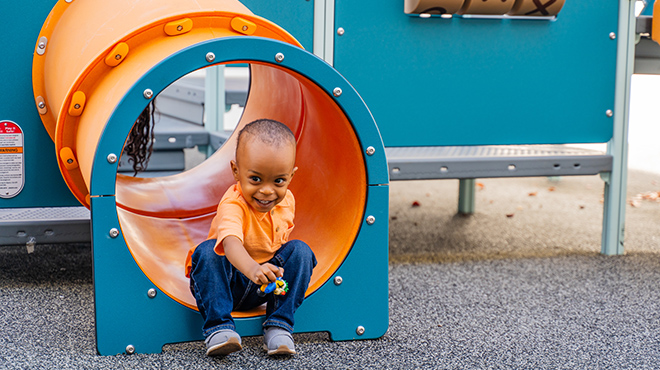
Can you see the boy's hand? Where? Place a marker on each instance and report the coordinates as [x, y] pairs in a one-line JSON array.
[[266, 273]]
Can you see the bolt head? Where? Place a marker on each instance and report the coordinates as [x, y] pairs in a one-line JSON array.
[[148, 94], [112, 158], [340, 31], [371, 150], [359, 330], [151, 293], [609, 113], [42, 105], [371, 220], [279, 57], [612, 35], [130, 349], [210, 57], [338, 280], [113, 233], [337, 92]]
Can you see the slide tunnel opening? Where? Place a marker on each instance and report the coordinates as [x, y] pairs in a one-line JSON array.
[[161, 218]]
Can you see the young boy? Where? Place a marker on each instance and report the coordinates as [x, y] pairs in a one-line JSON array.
[[247, 245]]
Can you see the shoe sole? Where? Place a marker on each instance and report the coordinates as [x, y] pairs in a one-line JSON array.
[[223, 349], [281, 350]]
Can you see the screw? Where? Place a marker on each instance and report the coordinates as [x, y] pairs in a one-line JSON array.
[[77, 106], [113, 233], [42, 105], [337, 91], [112, 158], [69, 161], [245, 28], [148, 94], [360, 330], [151, 293], [179, 27], [612, 35], [371, 220], [609, 113], [118, 56], [340, 31], [42, 45], [210, 57], [130, 349], [279, 57], [371, 150], [338, 280]]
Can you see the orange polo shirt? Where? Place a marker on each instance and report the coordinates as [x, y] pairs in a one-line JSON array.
[[262, 234]]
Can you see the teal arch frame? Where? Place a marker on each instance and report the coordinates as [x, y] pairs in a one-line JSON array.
[[128, 320]]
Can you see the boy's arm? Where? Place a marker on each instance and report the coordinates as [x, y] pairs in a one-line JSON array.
[[239, 257]]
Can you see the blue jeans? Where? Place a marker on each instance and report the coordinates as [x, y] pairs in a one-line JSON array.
[[220, 288]]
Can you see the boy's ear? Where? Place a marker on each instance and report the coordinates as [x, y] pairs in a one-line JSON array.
[[234, 169], [293, 172]]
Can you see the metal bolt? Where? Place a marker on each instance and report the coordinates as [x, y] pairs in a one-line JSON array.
[[371, 220], [69, 161], [77, 106], [151, 293], [609, 113], [41, 45], [179, 27], [279, 57], [112, 158], [360, 330], [130, 349], [68, 1], [340, 31], [337, 91], [338, 280], [114, 233], [371, 150], [42, 105], [244, 28], [612, 35], [210, 57], [148, 94], [118, 56]]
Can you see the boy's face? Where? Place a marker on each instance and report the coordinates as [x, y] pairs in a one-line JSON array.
[[264, 172]]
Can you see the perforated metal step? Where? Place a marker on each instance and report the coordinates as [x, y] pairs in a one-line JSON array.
[[19, 226], [471, 162]]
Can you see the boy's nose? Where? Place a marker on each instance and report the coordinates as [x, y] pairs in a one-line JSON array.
[[267, 190]]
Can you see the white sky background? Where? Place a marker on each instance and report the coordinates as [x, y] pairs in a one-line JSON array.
[[644, 126]]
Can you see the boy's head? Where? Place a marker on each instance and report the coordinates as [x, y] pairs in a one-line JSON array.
[[265, 162]]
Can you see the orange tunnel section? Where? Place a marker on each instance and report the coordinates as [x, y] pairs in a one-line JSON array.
[[90, 54]]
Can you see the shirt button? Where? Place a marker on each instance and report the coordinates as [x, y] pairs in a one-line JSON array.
[[277, 230], [272, 212]]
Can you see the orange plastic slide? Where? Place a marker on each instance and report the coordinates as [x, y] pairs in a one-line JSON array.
[[90, 53]]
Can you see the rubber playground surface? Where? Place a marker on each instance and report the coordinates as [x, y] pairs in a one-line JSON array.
[[519, 284]]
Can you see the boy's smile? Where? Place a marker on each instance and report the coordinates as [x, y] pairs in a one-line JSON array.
[[264, 172]]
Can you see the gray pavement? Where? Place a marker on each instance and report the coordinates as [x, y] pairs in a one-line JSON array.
[[520, 284]]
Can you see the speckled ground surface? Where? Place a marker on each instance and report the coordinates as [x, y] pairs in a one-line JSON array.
[[519, 284]]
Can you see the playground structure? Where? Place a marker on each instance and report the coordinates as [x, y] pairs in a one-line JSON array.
[[460, 81]]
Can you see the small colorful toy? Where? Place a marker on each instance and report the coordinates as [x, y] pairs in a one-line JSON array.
[[277, 287]]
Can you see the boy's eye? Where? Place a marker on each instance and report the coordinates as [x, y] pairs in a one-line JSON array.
[[280, 181], [254, 178]]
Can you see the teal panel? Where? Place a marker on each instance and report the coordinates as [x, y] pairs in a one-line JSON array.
[[474, 81], [44, 186], [648, 9], [297, 17], [125, 314]]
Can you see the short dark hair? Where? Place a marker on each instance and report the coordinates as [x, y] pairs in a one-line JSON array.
[[268, 131]]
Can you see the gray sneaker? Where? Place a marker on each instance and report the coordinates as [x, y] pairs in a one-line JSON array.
[[278, 341], [223, 342]]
